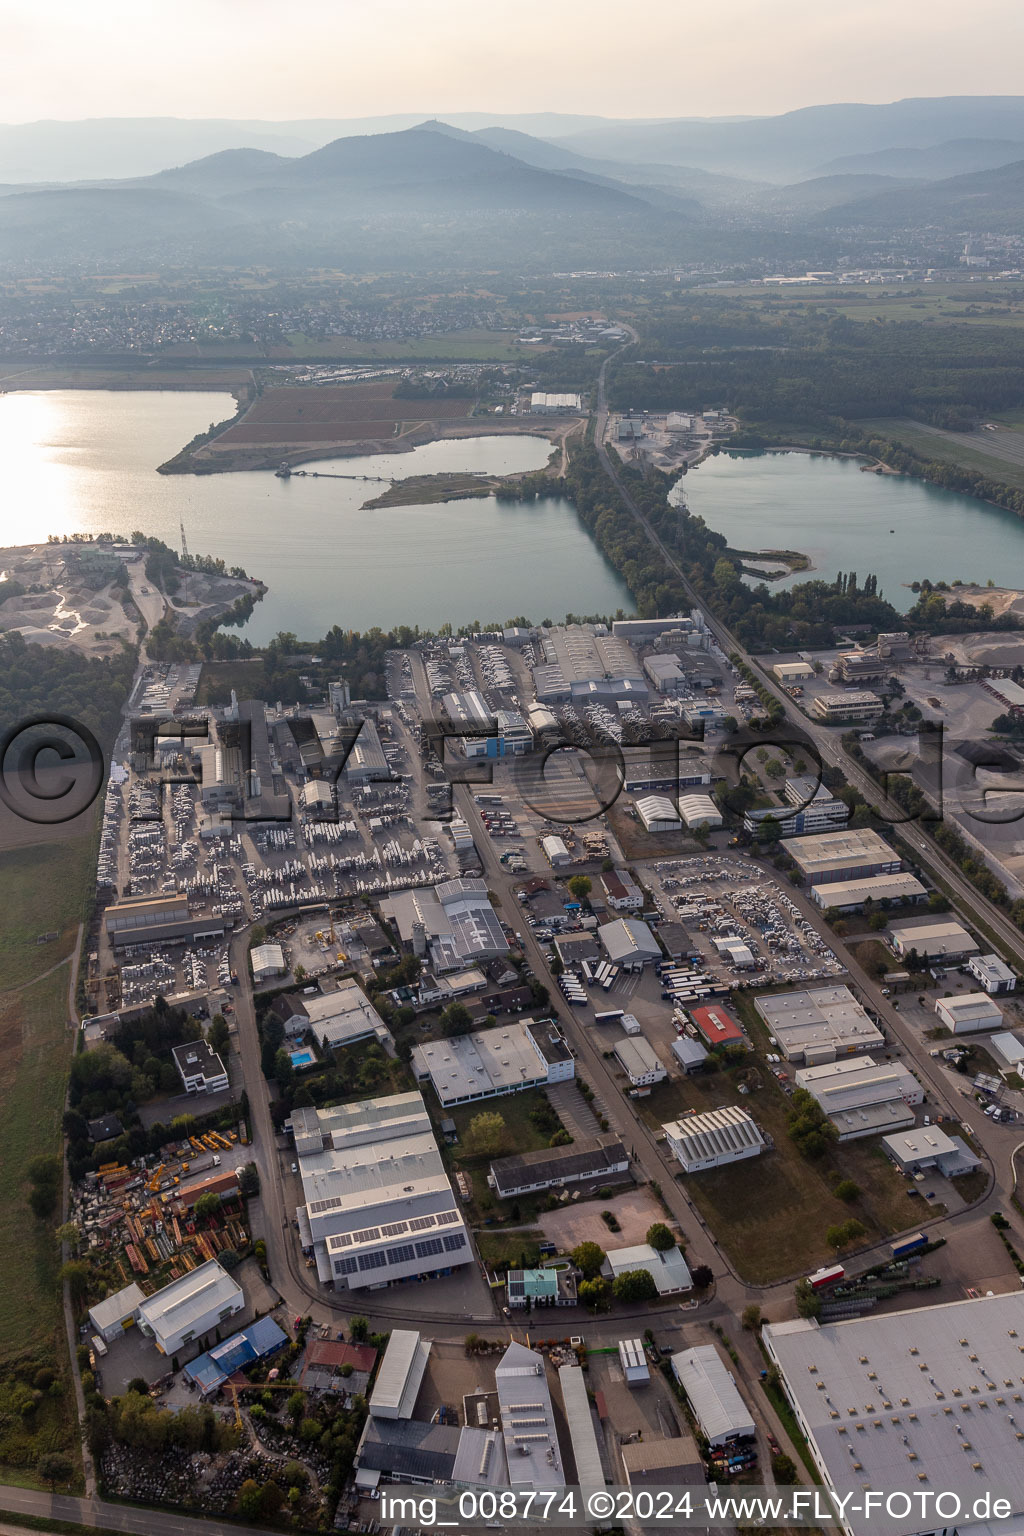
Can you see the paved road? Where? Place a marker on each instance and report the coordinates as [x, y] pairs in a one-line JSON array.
[[114, 1517]]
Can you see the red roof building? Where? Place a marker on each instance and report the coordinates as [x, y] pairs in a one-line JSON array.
[[716, 1026]]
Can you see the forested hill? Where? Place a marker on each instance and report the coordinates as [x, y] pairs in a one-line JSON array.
[[42, 680]]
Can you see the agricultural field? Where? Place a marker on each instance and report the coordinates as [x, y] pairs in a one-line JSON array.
[[960, 304], [998, 454], [310, 417], [43, 890], [454, 347]]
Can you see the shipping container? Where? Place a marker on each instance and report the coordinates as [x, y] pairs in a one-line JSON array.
[[908, 1245], [830, 1275]]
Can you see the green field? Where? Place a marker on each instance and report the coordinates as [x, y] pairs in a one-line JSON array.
[[946, 450], [510, 1247], [42, 888], [950, 304]]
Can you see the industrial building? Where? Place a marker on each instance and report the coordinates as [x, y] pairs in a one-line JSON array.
[[546, 404], [266, 961], [664, 672], [862, 1097], [818, 1025], [601, 1159], [639, 1060], [950, 1373], [699, 811], [969, 1013], [584, 663], [528, 1420], [715, 1139], [667, 1267], [992, 974], [401, 1373], [712, 1394], [1008, 1050], [650, 629], [555, 851], [792, 671], [411, 1451], [158, 920], [378, 1206], [260, 1340], [851, 895], [928, 1146], [847, 708], [629, 942], [621, 891], [454, 924], [847, 855], [814, 809], [1005, 692], [506, 1059], [655, 1464], [579, 1420], [633, 1363], [110, 1317], [658, 814], [662, 768], [690, 1054], [944, 941], [717, 1027], [189, 1307], [336, 1018], [199, 1067], [367, 761]]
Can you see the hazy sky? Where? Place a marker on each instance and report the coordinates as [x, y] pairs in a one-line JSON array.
[[340, 58]]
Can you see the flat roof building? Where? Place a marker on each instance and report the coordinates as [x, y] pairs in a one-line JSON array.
[[851, 895], [340, 1017], [1008, 1049], [158, 919], [528, 1420], [189, 1307], [713, 1396], [579, 1419], [969, 1013], [847, 708], [714, 1139], [862, 1097], [833, 1374], [656, 1464], [842, 855], [110, 1317], [993, 974], [934, 941], [928, 1146], [199, 1067], [665, 673], [818, 1025], [401, 1373], [454, 922], [506, 1059]]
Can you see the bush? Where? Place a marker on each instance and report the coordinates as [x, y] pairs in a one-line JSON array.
[[660, 1237]]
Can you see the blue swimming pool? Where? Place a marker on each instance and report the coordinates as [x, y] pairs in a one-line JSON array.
[[303, 1058]]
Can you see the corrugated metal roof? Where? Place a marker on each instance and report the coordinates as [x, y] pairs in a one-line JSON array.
[[719, 1409], [580, 1420]]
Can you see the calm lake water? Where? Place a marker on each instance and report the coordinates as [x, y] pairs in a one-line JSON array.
[[846, 519], [85, 461]]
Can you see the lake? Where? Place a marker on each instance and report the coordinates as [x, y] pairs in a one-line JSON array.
[[85, 461], [848, 520]]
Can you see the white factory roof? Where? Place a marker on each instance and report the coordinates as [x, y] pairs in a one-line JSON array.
[[191, 1299], [490, 1061], [695, 808], [350, 1125], [669, 1269], [657, 808], [1008, 1047], [637, 1057], [717, 1405], [456, 916], [267, 957], [922, 1142], [855, 1082], [627, 940], [899, 886], [834, 850], [717, 1133], [990, 968], [528, 1420], [818, 1017], [343, 1015], [939, 1384], [933, 940], [971, 1010], [113, 1310], [401, 1372], [579, 1418]]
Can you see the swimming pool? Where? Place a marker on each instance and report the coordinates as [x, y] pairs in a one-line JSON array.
[[304, 1058]]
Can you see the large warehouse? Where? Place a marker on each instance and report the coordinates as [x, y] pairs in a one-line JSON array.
[[378, 1205], [699, 810], [629, 942], [454, 922], [842, 855], [711, 1140], [658, 814], [189, 1307], [954, 1423], [336, 1018], [524, 1173], [851, 895], [861, 1096], [640, 1062], [820, 1024], [945, 942], [505, 1059], [712, 1394], [969, 1013]]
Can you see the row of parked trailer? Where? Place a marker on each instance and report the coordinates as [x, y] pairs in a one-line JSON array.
[[683, 984], [602, 974]]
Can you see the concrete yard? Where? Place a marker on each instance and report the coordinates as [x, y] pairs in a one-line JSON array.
[[635, 1211]]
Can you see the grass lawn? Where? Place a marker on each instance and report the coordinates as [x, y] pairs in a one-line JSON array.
[[510, 1248], [42, 888], [946, 450], [515, 1109], [219, 677], [455, 346], [873, 953], [35, 1049]]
